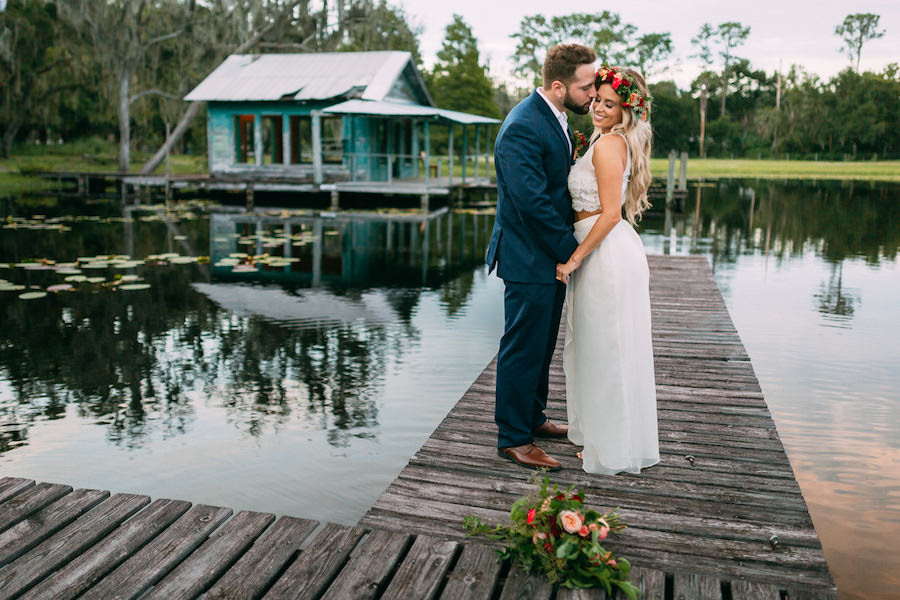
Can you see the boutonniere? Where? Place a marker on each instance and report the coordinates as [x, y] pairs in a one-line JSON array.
[[579, 142]]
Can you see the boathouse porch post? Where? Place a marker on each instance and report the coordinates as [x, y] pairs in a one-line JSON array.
[[257, 139], [450, 151], [427, 132], [390, 127], [464, 149], [427, 137], [415, 145], [316, 124], [285, 139], [477, 150]]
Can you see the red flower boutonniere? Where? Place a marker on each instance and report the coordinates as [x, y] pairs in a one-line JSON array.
[[580, 142]]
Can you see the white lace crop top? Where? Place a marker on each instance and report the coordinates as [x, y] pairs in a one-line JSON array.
[[583, 181]]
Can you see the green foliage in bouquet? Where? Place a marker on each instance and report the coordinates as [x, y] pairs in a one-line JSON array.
[[552, 533]]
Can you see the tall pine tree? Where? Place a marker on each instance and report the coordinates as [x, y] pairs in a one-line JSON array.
[[459, 81]]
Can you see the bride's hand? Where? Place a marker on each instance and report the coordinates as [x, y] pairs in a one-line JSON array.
[[564, 270]]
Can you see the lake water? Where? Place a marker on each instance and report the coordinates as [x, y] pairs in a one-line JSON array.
[[301, 383]]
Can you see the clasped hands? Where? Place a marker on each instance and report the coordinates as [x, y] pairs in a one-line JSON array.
[[563, 270]]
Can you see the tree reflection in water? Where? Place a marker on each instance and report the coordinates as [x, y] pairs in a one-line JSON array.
[[835, 221], [309, 342]]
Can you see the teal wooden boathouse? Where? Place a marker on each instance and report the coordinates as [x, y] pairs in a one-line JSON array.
[[344, 117]]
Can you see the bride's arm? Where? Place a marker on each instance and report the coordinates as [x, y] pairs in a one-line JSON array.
[[609, 160]]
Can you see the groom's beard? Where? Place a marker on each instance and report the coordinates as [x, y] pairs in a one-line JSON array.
[[578, 109]]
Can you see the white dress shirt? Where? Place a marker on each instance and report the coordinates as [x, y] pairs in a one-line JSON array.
[[561, 117]]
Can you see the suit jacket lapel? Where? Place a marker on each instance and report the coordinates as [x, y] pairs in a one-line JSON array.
[[548, 114]]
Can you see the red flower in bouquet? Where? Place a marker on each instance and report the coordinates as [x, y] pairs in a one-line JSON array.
[[553, 533]]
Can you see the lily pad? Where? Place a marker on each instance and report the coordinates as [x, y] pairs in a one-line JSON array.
[[134, 286], [11, 287], [76, 278], [59, 287], [32, 295], [68, 271], [96, 279], [127, 278]]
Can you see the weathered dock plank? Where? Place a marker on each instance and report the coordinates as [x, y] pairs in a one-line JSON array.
[[152, 562], [88, 567], [37, 527], [258, 569], [318, 565], [206, 564], [54, 553], [698, 514]]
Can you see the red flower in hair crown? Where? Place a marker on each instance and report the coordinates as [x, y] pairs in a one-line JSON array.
[[627, 89]]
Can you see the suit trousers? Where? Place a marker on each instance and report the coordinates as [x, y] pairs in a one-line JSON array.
[[531, 315]]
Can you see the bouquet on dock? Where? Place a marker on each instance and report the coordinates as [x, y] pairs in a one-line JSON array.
[[552, 533]]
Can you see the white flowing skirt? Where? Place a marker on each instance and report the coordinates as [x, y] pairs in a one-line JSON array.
[[608, 356]]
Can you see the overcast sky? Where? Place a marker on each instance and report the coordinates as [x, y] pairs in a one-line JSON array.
[[791, 31]]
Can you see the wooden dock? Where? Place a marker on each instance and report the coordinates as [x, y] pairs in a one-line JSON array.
[[721, 517], [58, 543], [721, 511]]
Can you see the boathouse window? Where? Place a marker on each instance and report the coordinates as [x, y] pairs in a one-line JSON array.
[[332, 139], [272, 134], [301, 139], [243, 139]]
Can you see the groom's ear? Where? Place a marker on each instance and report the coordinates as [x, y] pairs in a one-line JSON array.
[[558, 88]]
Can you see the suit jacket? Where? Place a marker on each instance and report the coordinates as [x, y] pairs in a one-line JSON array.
[[533, 228]]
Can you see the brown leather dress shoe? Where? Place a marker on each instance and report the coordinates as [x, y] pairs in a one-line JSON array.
[[548, 429], [530, 456]]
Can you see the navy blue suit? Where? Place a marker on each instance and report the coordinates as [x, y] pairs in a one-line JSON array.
[[532, 233]]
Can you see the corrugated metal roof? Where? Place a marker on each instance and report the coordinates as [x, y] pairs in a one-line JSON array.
[[397, 109], [318, 76]]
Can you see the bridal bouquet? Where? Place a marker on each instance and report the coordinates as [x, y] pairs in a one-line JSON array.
[[552, 533]]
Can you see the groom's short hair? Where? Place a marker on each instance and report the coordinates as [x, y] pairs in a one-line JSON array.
[[563, 59]]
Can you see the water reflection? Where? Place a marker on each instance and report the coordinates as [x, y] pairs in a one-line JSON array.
[[783, 222], [306, 342]]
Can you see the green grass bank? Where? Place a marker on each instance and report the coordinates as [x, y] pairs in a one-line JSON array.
[[717, 168]]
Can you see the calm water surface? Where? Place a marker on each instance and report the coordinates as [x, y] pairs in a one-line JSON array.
[[302, 386]]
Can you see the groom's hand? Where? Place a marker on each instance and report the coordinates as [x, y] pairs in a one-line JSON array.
[[564, 270]]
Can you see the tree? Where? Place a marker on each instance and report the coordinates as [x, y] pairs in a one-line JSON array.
[[218, 31], [122, 34], [605, 32], [650, 50], [459, 81], [35, 65], [856, 30], [731, 35], [701, 86], [370, 26], [726, 37]]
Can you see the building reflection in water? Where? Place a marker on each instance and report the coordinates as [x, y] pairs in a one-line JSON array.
[[306, 340]]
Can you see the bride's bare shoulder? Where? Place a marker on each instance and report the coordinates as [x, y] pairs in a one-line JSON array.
[[610, 148]]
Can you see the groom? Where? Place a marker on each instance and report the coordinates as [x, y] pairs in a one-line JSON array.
[[532, 233]]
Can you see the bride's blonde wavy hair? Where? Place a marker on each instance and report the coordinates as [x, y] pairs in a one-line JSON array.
[[639, 136]]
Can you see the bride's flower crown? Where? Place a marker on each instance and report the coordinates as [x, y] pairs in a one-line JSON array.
[[627, 88]]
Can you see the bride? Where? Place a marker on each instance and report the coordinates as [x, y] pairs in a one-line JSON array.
[[608, 356]]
